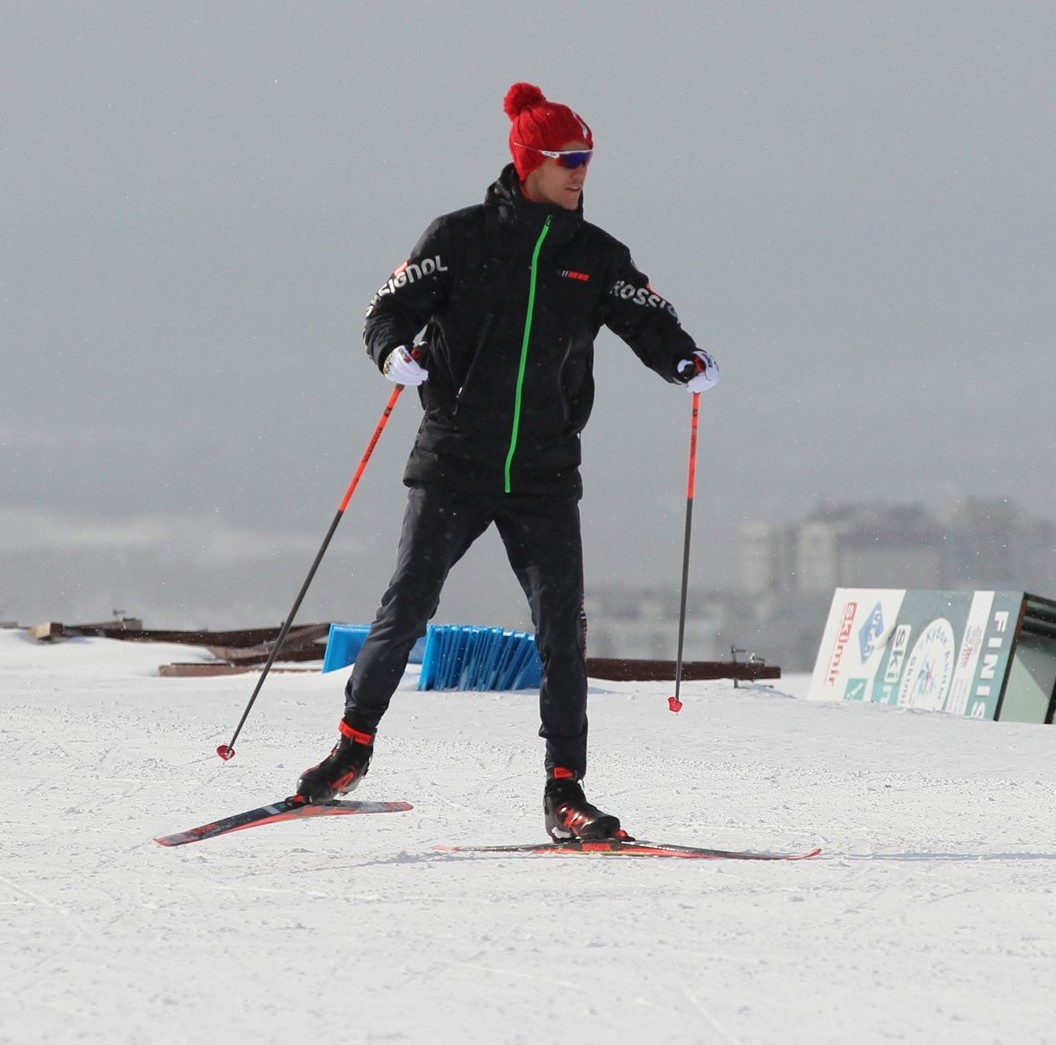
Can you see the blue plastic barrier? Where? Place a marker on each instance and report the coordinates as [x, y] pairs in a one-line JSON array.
[[478, 658], [453, 656], [345, 640]]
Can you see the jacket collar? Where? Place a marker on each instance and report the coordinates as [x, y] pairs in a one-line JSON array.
[[505, 193]]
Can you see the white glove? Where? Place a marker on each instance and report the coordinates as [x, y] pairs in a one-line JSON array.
[[700, 372], [401, 368]]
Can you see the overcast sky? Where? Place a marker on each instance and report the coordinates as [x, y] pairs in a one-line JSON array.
[[851, 204]]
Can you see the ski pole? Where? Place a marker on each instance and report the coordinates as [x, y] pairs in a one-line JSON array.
[[227, 751], [673, 702]]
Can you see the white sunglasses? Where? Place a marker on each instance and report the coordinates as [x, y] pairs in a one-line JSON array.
[[570, 158]]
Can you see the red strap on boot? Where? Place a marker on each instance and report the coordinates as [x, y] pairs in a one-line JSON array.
[[366, 739]]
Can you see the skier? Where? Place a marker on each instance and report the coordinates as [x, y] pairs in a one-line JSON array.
[[511, 294]]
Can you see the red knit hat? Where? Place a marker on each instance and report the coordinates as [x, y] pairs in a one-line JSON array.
[[539, 124]]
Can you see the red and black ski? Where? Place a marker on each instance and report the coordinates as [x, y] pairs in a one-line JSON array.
[[292, 808], [623, 847]]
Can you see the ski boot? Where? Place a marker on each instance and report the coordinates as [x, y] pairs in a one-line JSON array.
[[341, 770], [569, 815]]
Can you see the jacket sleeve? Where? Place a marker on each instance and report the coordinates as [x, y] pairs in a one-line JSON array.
[[404, 303], [646, 321]]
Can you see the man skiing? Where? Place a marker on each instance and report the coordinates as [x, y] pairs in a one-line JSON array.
[[511, 294]]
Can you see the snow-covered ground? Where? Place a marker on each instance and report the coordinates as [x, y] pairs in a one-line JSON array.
[[930, 917]]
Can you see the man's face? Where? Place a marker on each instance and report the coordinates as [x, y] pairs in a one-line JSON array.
[[555, 184]]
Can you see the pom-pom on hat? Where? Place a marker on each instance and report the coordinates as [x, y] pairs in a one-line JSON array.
[[539, 124]]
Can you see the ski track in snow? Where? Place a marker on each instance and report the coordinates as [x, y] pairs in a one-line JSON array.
[[929, 916]]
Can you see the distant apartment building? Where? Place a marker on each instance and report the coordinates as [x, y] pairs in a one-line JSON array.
[[983, 543], [791, 569], [642, 623]]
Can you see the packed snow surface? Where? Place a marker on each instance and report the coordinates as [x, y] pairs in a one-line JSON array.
[[929, 917]]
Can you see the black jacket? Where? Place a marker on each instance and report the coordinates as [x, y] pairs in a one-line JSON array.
[[511, 295]]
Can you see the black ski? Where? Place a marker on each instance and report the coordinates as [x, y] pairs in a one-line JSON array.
[[292, 808], [623, 847]]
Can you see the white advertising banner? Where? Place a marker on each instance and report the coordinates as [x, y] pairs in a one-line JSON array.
[[934, 650]]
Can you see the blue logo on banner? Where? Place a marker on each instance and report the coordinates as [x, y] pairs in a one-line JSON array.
[[871, 630]]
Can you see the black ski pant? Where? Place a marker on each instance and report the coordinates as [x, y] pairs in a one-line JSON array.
[[543, 543]]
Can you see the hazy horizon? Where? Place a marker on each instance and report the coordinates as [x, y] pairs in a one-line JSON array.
[[851, 205]]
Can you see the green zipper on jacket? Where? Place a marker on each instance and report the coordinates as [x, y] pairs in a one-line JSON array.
[[524, 353]]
